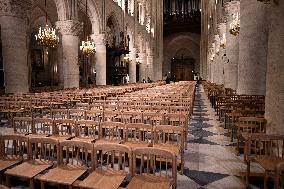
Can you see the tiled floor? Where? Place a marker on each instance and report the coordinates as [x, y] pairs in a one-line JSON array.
[[210, 160]]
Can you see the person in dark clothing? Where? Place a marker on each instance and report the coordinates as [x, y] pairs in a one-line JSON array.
[[168, 80], [90, 80]]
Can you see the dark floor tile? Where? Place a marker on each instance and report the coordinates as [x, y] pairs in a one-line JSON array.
[[203, 178]]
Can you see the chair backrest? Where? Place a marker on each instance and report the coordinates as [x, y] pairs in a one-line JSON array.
[[153, 118], [95, 115], [22, 125], [113, 156], [176, 119], [112, 115], [252, 124], [42, 126], [132, 117], [265, 144], [76, 114], [155, 161], [46, 149], [14, 146], [112, 130], [138, 132], [88, 129], [64, 127], [168, 134], [77, 154], [59, 113]]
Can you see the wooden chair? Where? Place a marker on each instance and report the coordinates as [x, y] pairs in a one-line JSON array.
[[138, 135], [279, 179], [59, 113], [87, 130], [95, 115], [153, 118], [13, 150], [42, 127], [64, 129], [43, 153], [170, 138], [113, 116], [111, 132], [266, 150], [76, 158], [178, 119], [113, 164], [76, 114], [153, 168], [22, 125], [132, 117], [249, 125]]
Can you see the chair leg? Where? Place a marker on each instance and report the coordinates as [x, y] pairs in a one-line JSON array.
[[8, 181], [31, 183], [276, 182], [265, 180], [42, 186], [248, 173]]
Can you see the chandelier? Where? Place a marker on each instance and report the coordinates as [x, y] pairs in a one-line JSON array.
[[47, 36], [212, 57], [223, 41], [235, 25], [87, 47], [126, 57]]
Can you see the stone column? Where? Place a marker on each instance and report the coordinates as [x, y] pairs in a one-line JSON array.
[[217, 60], [274, 109], [232, 48], [100, 58], [252, 48], [14, 47], [143, 66], [70, 30], [132, 66], [60, 65], [222, 36]]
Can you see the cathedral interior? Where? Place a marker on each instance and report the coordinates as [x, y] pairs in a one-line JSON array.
[[142, 94]]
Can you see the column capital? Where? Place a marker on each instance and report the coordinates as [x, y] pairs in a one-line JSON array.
[[99, 39], [13, 8], [142, 55], [69, 27], [133, 51]]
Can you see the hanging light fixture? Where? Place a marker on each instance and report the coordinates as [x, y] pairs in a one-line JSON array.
[[223, 41], [47, 36], [235, 25], [87, 47]]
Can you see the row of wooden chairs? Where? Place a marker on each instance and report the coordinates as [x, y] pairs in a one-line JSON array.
[[85, 165], [167, 137], [267, 150]]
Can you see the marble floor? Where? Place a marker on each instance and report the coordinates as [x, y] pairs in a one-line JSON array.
[[210, 159]]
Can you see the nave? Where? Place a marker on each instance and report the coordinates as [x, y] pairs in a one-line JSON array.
[[210, 159]]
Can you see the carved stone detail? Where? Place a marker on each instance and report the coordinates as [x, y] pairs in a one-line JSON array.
[[13, 8], [99, 39], [69, 27]]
